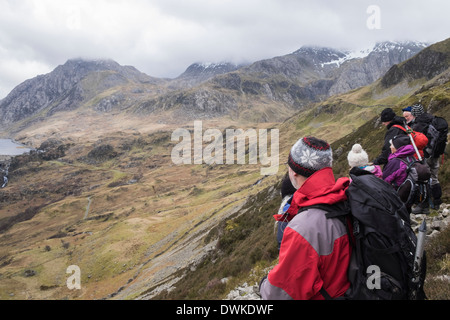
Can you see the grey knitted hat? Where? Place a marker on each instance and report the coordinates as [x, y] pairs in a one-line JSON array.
[[417, 110], [309, 155]]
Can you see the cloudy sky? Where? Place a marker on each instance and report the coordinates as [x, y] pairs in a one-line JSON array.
[[163, 37]]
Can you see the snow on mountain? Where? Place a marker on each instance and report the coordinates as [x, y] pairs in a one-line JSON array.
[[337, 57], [206, 70]]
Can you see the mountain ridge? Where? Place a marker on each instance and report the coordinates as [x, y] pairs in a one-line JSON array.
[[63, 90], [288, 83]]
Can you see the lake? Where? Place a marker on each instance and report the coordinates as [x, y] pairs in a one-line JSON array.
[[10, 148]]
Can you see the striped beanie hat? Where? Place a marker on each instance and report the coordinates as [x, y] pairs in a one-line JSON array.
[[417, 110], [309, 155]]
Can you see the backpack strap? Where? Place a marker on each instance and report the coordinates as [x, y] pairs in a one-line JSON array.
[[325, 294], [341, 211], [333, 210], [409, 163], [399, 127], [406, 130]]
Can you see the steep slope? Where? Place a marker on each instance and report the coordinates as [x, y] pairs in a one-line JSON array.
[[428, 68], [424, 78], [342, 120], [373, 65], [427, 64]]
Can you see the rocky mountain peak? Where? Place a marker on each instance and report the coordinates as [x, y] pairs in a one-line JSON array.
[[63, 88], [199, 72], [320, 55], [389, 46], [206, 70], [325, 56]]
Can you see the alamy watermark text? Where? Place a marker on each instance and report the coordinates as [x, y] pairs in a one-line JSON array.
[[229, 147]]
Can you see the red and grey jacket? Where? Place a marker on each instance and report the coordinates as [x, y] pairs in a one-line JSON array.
[[315, 251]]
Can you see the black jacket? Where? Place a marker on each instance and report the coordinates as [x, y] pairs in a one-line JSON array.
[[390, 134]]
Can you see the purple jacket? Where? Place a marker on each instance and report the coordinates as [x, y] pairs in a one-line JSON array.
[[374, 169], [395, 170]]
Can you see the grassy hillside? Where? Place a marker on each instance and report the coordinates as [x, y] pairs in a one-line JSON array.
[[246, 245], [434, 97], [116, 206]]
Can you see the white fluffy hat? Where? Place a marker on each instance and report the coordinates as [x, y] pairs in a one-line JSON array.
[[357, 157]]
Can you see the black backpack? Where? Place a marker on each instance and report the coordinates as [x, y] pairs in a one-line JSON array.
[[437, 135], [416, 188], [382, 239]]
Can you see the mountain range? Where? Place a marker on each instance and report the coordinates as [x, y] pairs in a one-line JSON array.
[[271, 89]]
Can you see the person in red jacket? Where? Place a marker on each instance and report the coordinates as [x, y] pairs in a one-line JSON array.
[[315, 251]]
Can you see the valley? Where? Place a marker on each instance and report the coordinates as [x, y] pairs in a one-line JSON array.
[[115, 206]]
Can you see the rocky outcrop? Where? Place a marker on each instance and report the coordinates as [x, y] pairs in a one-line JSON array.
[[244, 292], [201, 72], [361, 72], [427, 64], [435, 223], [66, 87], [100, 154], [186, 105]]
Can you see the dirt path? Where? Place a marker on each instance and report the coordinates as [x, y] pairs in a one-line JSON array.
[[87, 208]]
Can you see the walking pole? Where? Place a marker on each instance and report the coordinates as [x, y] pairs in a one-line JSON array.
[[409, 133], [419, 256]]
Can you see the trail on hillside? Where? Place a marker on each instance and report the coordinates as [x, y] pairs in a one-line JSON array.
[[87, 208]]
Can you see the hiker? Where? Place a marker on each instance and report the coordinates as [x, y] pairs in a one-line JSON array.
[[358, 158], [422, 124], [315, 251], [5, 181], [408, 116], [287, 191], [389, 119], [420, 139], [3, 174], [395, 171]]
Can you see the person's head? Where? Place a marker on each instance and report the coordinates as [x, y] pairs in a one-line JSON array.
[[287, 189], [417, 110], [407, 114], [387, 115], [399, 141], [357, 157], [308, 155]]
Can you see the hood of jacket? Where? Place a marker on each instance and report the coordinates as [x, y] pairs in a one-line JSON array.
[[320, 188], [402, 152], [425, 118], [396, 120]]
